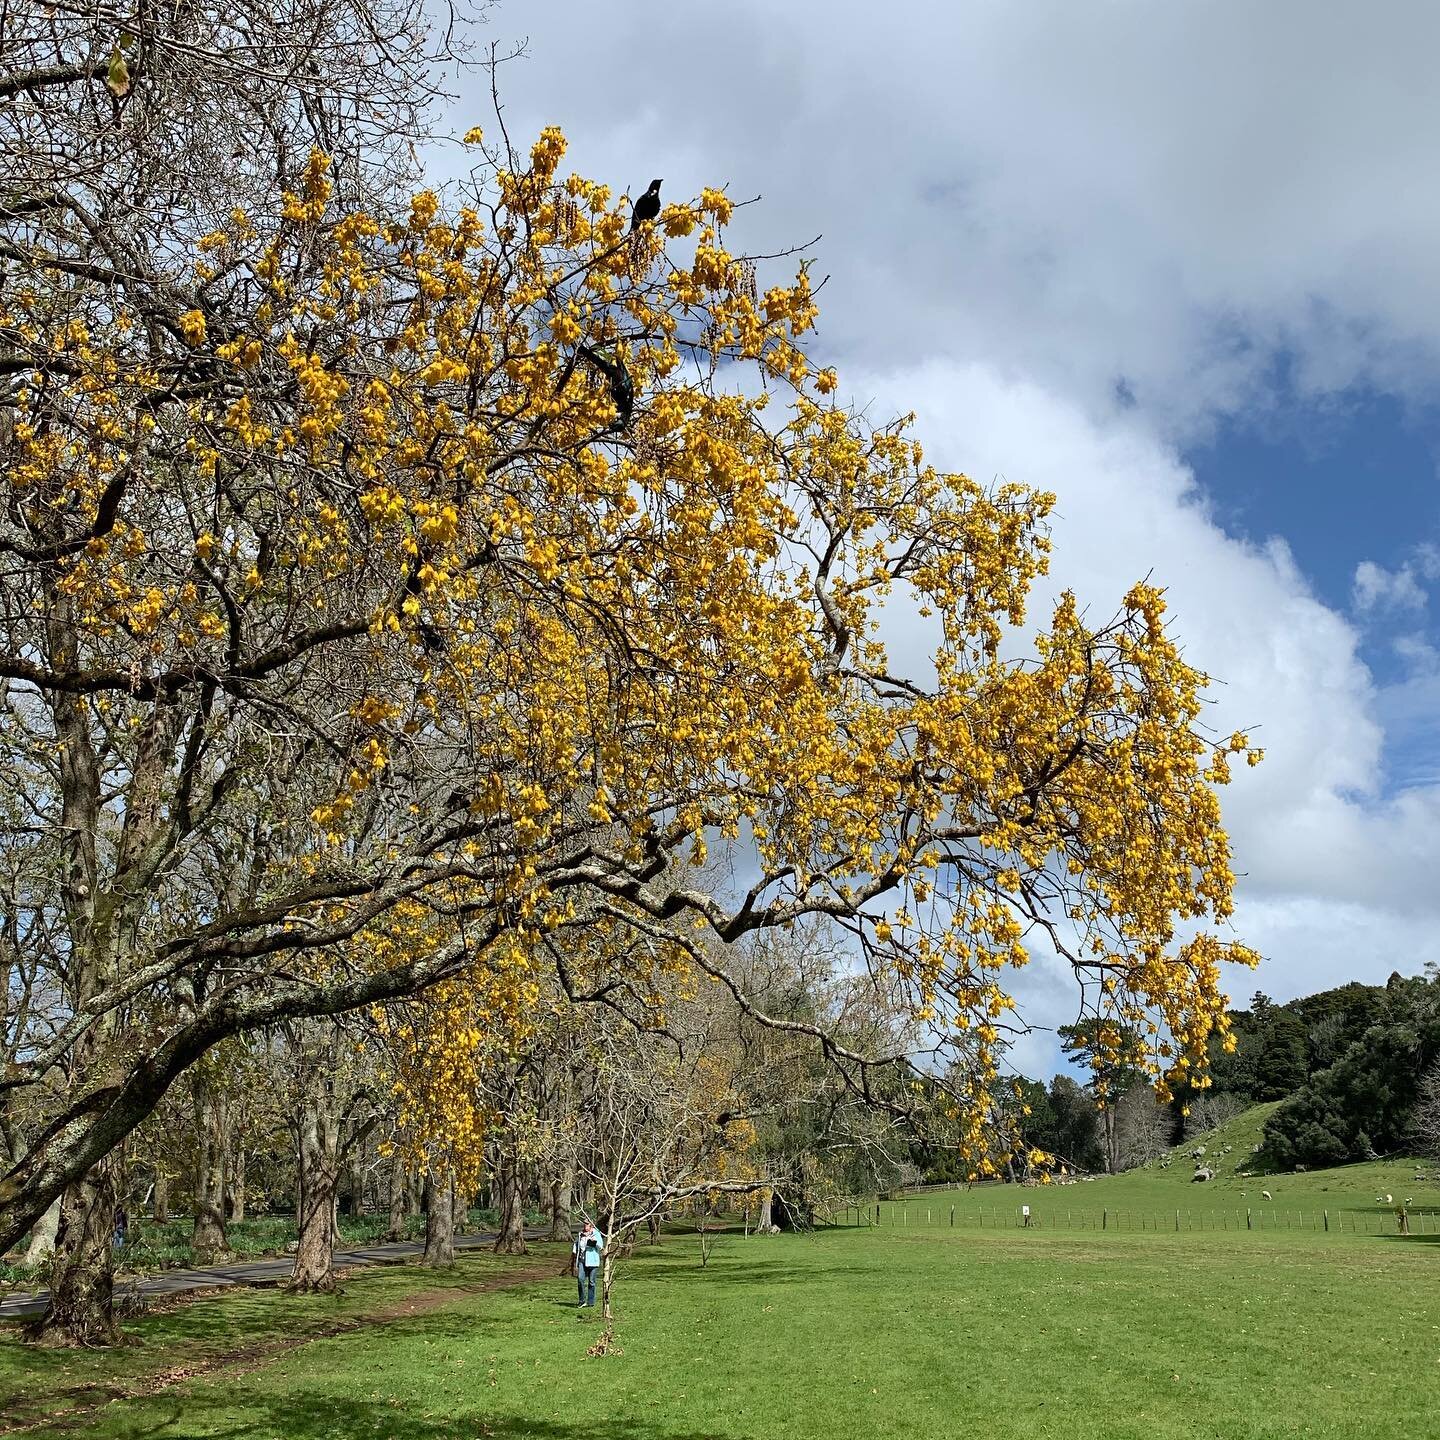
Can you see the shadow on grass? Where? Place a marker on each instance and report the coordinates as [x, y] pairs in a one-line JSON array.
[[297, 1418], [1409, 1239], [239, 1327]]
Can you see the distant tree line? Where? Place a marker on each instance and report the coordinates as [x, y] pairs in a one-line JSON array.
[[1357, 1068], [1368, 1060]]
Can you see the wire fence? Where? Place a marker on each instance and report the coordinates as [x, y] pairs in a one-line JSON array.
[[895, 1215]]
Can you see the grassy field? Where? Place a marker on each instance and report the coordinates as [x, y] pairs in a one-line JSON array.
[[1149, 1196], [853, 1333]]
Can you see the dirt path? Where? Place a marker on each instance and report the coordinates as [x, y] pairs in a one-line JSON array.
[[267, 1270], [86, 1400]]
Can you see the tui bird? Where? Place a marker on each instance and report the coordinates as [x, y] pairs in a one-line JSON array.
[[622, 387], [647, 207], [431, 639]]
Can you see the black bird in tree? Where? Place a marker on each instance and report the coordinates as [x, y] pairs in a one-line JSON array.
[[647, 207], [430, 638], [622, 387]]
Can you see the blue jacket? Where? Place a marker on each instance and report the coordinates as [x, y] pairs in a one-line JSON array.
[[589, 1248]]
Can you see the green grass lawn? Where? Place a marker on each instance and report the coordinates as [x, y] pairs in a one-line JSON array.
[[844, 1333], [1149, 1196]]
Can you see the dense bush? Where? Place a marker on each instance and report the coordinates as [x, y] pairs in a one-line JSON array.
[[1363, 1104]]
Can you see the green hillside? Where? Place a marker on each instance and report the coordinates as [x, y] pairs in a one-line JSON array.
[[1231, 1152], [1229, 1148], [1150, 1195]]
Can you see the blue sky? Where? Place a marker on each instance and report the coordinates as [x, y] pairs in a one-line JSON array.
[[1020, 203], [1346, 480], [1343, 481]]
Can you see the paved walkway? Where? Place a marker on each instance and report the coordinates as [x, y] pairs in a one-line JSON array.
[[251, 1272]]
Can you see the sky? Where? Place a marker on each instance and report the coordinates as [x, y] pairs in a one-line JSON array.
[[1175, 262]]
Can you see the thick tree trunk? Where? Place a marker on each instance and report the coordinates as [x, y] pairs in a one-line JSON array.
[[81, 1311], [353, 1194], [42, 1237], [235, 1182], [460, 1211], [160, 1197], [439, 1222], [399, 1201], [319, 1173], [82, 1264], [511, 1239], [560, 1205], [764, 1223], [208, 1245], [314, 1258]]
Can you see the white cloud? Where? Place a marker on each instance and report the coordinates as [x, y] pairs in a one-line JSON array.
[[1165, 193], [1408, 710], [1313, 828], [1340, 942], [1376, 588], [1420, 657], [1071, 236]]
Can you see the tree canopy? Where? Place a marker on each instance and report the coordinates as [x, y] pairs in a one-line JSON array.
[[401, 595]]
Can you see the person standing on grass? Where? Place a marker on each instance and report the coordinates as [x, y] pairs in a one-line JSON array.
[[589, 1247], [122, 1227]]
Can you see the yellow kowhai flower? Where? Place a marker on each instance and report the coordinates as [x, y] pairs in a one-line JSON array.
[[192, 327]]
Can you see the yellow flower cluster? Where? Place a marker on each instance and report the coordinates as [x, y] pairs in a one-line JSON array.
[[634, 608]]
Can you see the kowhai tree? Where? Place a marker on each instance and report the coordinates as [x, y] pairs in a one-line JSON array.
[[351, 648]]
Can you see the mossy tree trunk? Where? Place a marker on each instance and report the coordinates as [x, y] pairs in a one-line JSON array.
[[42, 1237], [511, 1238], [439, 1222], [399, 1200], [81, 1310], [235, 1181], [208, 1244], [319, 1172]]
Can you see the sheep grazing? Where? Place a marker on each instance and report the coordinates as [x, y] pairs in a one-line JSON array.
[[1267, 1194], [1388, 1200]]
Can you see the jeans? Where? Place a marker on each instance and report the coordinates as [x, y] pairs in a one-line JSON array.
[[585, 1275]]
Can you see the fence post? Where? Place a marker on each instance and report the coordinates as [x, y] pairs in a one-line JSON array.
[[1248, 1225], [1177, 1222], [877, 1212], [1327, 1222], [952, 1217], [1104, 1219]]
